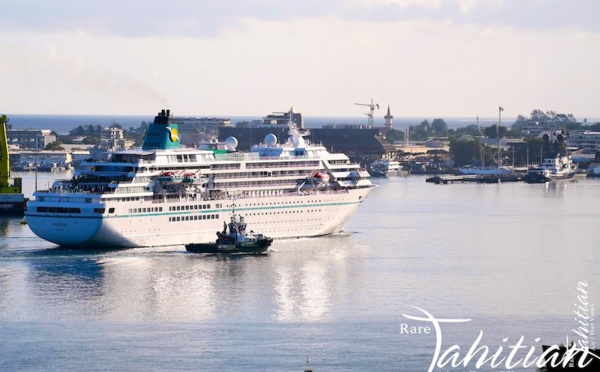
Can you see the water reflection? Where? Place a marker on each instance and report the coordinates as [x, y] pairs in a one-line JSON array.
[[313, 278], [4, 221], [558, 188]]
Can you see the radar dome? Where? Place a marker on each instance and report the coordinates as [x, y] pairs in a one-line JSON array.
[[271, 140], [231, 143]]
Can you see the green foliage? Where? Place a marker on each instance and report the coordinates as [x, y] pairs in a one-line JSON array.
[[91, 140], [468, 130], [65, 139], [527, 153], [420, 132], [495, 132], [394, 135], [55, 146], [88, 130], [439, 127], [465, 152], [540, 117]]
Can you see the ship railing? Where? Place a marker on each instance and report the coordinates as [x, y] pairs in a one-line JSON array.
[[246, 194]]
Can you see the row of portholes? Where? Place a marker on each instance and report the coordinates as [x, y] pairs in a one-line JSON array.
[[284, 203], [194, 218], [282, 212]]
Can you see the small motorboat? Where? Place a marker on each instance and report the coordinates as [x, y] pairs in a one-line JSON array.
[[234, 239]]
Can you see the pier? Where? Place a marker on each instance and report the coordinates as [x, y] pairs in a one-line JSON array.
[[446, 179]]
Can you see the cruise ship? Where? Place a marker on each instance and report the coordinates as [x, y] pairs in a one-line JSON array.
[[167, 194]]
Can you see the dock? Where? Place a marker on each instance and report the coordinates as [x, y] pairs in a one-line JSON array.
[[444, 180]]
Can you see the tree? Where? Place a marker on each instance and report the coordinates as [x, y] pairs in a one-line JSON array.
[[91, 140], [465, 152], [439, 127], [421, 131], [470, 129], [394, 135], [539, 117], [528, 152], [490, 132], [55, 146]]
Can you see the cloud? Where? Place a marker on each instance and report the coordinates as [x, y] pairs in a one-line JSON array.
[[208, 18]]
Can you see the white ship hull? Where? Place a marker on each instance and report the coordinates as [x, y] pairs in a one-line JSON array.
[[279, 217]]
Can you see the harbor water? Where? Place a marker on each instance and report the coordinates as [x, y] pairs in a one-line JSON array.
[[510, 265]]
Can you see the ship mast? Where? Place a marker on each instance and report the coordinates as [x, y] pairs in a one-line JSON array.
[[500, 109]]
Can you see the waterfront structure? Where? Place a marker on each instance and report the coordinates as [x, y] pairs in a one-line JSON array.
[[284, 118], [588, 141], [198, 130], [30, 138], [164, 194], [113, 138], [359, 144], [12, 200], [45, 160]]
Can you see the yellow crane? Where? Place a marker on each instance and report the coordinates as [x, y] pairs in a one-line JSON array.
[[12, 201], [369, 114]]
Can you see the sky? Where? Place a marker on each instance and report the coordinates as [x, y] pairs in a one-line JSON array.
[[429, 58]]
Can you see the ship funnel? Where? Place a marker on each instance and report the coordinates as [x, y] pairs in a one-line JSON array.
[[162, 134]]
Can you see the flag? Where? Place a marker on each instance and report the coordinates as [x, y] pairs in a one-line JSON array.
[[501, 109]]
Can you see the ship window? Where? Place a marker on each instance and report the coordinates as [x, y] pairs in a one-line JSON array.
[[42, 209], [111, 210], [99, 210], [178, 218]]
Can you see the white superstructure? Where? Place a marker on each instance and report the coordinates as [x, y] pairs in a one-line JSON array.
[[163, 194]]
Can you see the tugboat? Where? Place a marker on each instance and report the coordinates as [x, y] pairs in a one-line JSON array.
[[571, 358], [12, 201], [557, 166], [234, 239]]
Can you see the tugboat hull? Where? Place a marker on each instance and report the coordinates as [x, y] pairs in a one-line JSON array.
[[259, 246]]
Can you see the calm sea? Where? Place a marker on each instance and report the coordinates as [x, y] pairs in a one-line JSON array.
[[504, 258]]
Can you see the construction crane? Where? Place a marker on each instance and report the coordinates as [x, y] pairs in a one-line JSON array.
[[371, 111]]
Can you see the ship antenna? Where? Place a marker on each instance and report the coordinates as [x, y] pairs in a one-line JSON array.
[[308, 369]]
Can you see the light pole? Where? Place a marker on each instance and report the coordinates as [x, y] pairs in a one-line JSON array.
[[36, 163]]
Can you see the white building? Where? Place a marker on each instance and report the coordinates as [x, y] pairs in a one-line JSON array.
[[586, 140]]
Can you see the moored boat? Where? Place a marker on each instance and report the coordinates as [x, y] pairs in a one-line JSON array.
[[557, 166], [551, 169], [385, 168]]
